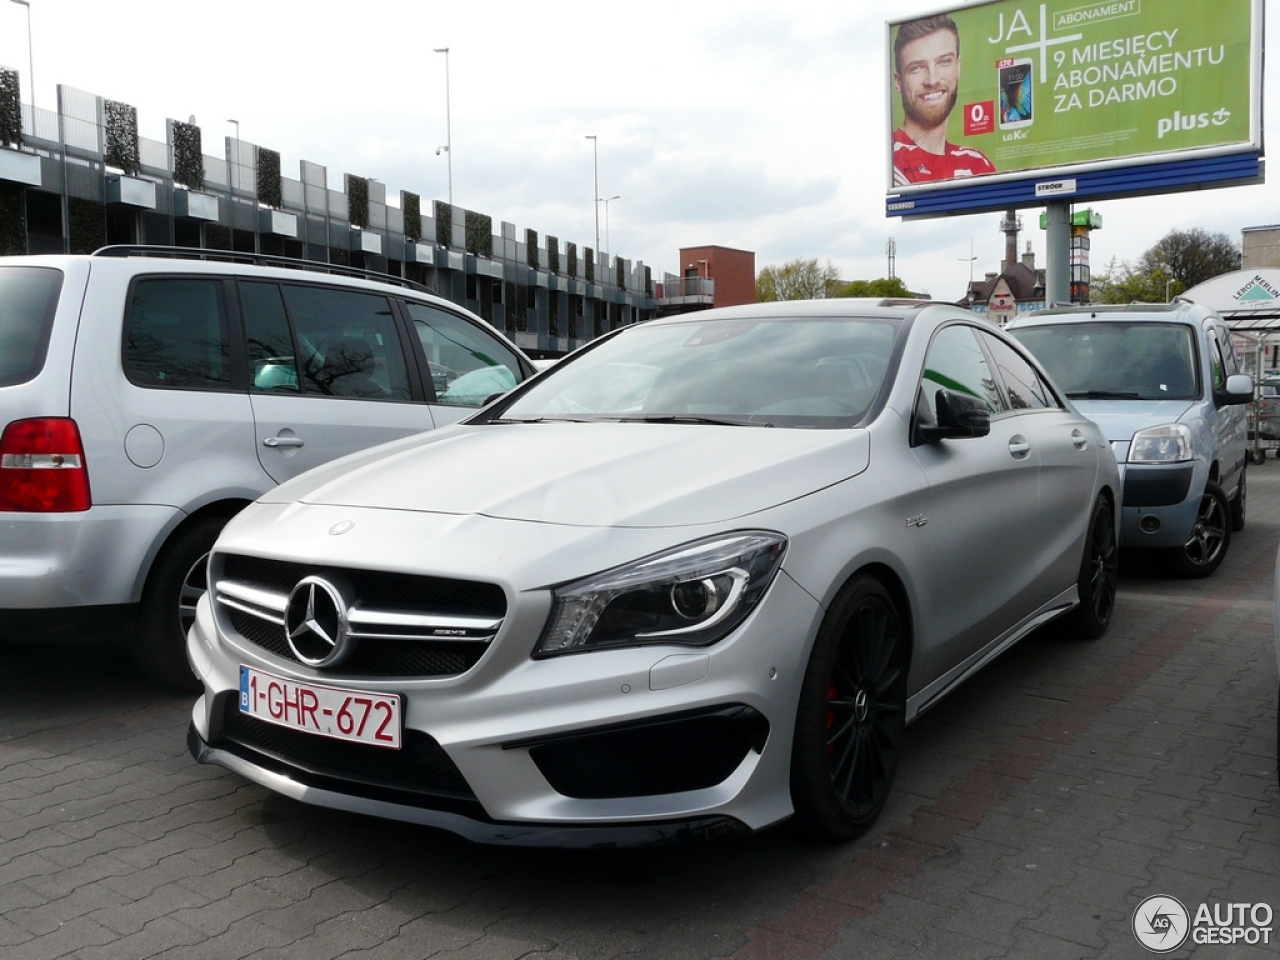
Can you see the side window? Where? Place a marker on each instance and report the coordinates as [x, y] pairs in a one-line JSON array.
[[956, 362], [1023, 387], [1229, 351], [347, 344], [467, 364], [270, 345], [175, 334], [1217, 366]]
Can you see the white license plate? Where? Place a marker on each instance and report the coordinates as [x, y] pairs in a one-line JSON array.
[[354, 715]]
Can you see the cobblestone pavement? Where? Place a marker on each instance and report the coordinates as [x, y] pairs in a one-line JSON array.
[[1035, 809]]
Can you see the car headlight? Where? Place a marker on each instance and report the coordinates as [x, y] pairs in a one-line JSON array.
[[694, 594], [1168, 443]]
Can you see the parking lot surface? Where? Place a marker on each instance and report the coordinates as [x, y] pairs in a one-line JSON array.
[[1035, 810]]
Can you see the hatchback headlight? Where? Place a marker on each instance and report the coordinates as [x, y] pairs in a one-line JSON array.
[[1168, 443], [694, 594]]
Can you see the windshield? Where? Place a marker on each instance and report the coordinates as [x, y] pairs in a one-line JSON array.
[[764, 372], [1117, 360]]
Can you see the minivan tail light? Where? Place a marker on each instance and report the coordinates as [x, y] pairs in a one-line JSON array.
[[42, 468]]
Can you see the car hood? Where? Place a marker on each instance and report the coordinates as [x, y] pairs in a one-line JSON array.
[[589, 474], [1121, 419]]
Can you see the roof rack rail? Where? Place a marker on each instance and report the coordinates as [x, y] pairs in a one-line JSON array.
[[256, 259]]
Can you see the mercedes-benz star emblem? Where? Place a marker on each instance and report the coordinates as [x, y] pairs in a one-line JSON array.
[[315, 623]]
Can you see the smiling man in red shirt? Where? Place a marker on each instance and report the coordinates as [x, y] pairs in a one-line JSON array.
[[926, 75]]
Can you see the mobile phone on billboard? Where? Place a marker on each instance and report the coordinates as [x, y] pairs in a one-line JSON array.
[[1016, 94]]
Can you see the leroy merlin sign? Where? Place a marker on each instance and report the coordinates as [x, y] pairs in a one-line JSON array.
[[1011, 87]]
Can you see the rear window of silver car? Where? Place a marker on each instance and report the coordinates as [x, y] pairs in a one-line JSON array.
[[28, 301], [777, 372], [1117, 360]]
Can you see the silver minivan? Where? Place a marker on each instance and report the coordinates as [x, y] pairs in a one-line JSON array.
[[1163, 382], [147, 395]]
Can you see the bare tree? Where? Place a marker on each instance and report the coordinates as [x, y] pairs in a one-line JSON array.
[[798, 280]]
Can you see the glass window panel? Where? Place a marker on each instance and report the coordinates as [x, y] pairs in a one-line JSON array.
[[467, 364], [347, 342], [956, 362], [270, 345], [176, 336], [1024, 390]]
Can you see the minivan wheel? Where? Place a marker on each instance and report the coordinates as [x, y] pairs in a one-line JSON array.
[[1238, 504], [176, 583], [1210, 536], [1098, 574], [851, 714]]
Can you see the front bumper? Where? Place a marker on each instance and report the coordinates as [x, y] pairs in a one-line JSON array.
[[1160, 503], [617, 747]]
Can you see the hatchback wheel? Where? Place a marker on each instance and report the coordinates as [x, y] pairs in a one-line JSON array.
[[851, 714], [176, 583], [1098, 573], [1210, 536]]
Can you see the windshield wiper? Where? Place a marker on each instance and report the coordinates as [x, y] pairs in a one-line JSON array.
[[695, 418], [1101, 395], [542, 420]]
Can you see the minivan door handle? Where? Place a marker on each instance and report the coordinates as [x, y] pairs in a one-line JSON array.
[[1019, 447], [283, 442], [1079, 439]]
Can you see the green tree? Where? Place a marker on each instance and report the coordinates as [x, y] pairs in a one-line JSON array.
[[883, 287], [797, 280], [1182, 259]]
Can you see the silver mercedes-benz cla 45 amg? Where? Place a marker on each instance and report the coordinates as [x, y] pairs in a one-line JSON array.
[[694, 580]]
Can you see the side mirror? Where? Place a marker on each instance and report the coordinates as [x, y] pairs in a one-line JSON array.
[[960, 416], [1239, 390]]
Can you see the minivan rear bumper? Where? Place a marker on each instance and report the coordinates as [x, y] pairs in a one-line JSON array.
[[61, 561]]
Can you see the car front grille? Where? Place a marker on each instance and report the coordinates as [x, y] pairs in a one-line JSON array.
[[403, 625]]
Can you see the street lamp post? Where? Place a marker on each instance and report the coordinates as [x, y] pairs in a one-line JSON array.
[[606, 219], [448, 121], [31, 64], [595, 152]]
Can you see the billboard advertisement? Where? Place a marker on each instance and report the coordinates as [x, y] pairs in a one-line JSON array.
[[1012, 89]]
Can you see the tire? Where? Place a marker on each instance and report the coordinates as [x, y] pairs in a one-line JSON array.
[[851, 714], [176, 582], [1258, 456], [1098, 575], [1210, 537], [1238, 503]]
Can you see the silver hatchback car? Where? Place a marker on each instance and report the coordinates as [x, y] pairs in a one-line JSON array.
[[148, 394], [695, 579], [1164, 384]]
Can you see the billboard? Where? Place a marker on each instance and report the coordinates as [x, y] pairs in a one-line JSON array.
[[1011, 90]]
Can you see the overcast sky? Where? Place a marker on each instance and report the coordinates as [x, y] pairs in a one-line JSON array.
[[750, 124]]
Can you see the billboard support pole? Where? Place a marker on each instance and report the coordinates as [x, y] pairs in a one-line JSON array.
[[1057, 272]]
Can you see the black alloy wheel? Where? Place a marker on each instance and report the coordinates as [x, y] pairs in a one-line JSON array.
[[1210, 536], [851, 715], [1099, 572]]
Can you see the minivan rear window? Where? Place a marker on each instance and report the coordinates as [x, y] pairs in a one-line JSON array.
[[28, 301]]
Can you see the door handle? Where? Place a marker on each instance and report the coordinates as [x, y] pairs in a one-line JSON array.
[[1019, 447], [283, 442], [1079, 439]]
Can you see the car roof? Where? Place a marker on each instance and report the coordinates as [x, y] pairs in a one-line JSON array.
[[835, 307], [1179, 311]]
